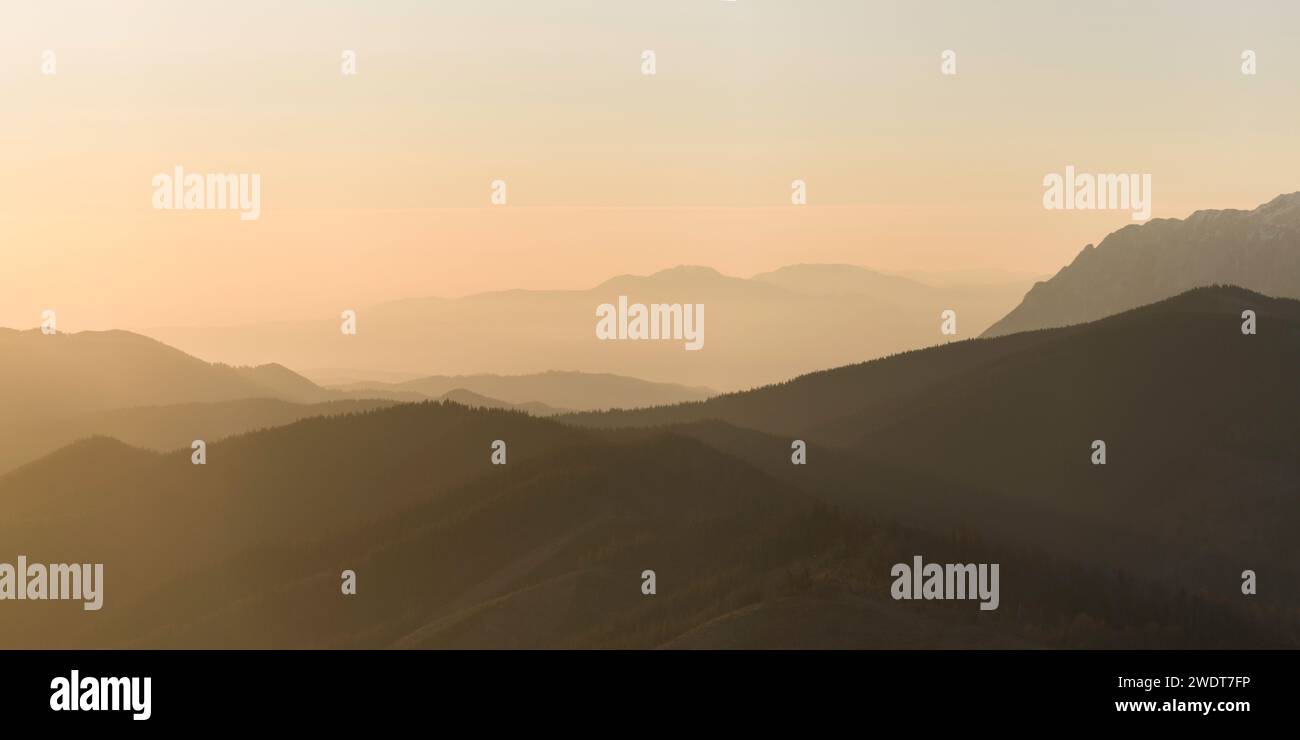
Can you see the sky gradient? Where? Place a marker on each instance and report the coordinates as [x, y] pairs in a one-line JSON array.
[[376, 186]]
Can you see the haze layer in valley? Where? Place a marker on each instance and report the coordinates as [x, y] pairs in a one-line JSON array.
[[759, 330]]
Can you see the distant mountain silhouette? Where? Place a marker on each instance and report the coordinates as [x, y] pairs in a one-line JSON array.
[[285, 384], [552, 390], [976, 451], [43, 378], [757, 330], [1140, 264]]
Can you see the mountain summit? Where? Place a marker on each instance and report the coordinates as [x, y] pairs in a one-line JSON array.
[[1140, 264]]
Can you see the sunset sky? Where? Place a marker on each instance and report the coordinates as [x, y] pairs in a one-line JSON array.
[[376, 186]]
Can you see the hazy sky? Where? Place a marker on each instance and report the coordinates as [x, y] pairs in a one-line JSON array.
[[376, 186]]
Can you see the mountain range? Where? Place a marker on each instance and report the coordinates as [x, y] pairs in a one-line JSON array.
[[974, 451], [977, 450], [59, 388]]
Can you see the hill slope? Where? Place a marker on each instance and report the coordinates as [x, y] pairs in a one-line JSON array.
[[161, 428], [547, 551], [46, 377], [997, 434], [58, 388]]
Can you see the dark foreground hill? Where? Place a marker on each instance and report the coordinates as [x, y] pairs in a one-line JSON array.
[[545, 551], [1202, 474]]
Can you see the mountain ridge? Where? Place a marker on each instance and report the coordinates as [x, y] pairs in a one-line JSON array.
[[1139, 264]]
